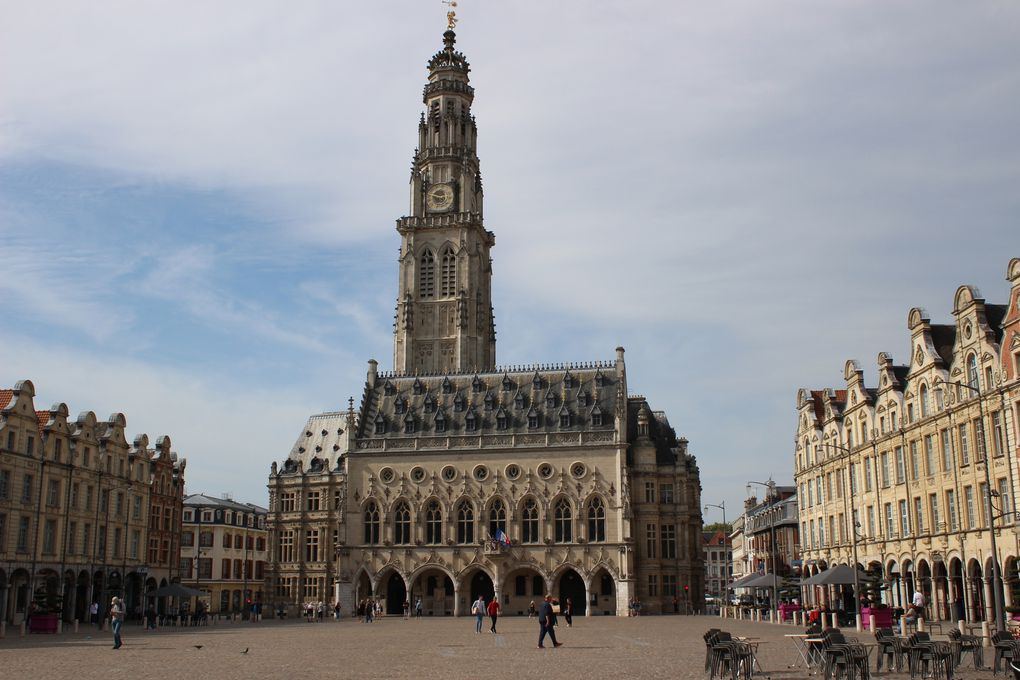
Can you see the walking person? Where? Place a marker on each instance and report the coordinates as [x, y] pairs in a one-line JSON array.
[[568, 613], [117, 618], [494, 611], [478, 609], [407, 610], [547, 623], [336, 610], [417, 608], [94, 613], [532, 612]]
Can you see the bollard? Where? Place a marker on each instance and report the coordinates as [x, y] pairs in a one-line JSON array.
[[871, 622], [959, 625], [985, 640], [857, 620], [920, 625], [903, 626], [76, 625], [60, 626], [22, 629], [835, 620]]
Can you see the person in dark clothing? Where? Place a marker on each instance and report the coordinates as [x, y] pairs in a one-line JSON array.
[[568, 613], [493, 611], [546, 623]]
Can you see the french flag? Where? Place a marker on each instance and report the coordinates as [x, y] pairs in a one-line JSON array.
[[501, 537]]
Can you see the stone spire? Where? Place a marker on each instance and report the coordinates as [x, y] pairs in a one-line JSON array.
[[444, 321]]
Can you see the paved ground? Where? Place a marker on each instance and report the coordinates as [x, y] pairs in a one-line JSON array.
[[600, 647]]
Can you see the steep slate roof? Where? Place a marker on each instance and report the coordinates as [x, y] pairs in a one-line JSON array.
[[818, 403], [320, 440], [200, 500], [995, 314], [659, 431], [900, 373], [511, 393], [714, 538]]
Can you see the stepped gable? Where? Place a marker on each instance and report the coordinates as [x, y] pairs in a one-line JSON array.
[[587, 392]]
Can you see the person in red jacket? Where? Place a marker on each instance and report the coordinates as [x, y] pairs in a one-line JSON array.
[[493, 611]]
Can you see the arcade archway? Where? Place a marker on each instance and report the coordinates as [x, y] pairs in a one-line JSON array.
[[570, 586]]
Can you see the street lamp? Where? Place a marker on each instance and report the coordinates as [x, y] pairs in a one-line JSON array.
[[726, 538], [771, 486], [996, 578], [854, 524]]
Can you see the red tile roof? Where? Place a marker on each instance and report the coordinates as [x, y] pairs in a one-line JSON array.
[[5, 397], [43, 417]]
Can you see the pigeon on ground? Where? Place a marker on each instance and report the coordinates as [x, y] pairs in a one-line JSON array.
[[197, 646], [245, 651]]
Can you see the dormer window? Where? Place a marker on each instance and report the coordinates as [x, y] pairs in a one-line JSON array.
[[400, 406], [502, 421], [596, 417], [458, 403], [507, 383], [490, 402], [380, 425], [418, 387], [582, 399], [600, 380], [550, 400], [519, 401], [477, 385], [568, 381], [532, 419], [564, 418], [389, 389], [536, 382], [440, 422], [447, 386], [471, 422], [409, 424], [429, 405]]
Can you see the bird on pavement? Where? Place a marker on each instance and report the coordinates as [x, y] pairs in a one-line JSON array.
[[197, 646], [245, 651]]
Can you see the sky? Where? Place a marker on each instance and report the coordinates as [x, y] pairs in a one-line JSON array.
[[197, 202]]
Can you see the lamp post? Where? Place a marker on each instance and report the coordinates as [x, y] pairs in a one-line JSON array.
[[854, 524], [996, 579], [726, 538], [771, 486]]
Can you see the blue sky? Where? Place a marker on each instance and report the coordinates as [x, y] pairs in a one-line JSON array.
[[197, 202]]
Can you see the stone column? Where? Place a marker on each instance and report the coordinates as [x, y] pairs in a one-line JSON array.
[[587, 599], [456, 599]]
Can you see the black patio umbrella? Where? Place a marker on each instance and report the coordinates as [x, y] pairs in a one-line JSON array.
[[175, 590], [840, 575]]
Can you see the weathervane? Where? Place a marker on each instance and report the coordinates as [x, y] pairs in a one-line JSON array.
[[451, 16]]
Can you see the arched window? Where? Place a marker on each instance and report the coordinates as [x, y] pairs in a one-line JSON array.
[[529, 522], [564, 533], [449, 273], [465, 523], [497, 517], [427, 274], [433, 523], [371, 523], [972, 373], [596, 520], [402, 525], [925, 409]]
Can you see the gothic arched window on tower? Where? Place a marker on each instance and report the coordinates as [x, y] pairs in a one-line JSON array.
[[433, 523], [529, 522], [449, 273], [596, 520], [402, 525], [371, 523], [427, 274], [465, 523], [497, 517]]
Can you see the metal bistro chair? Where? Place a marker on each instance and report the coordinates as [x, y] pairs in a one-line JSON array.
[[722, 656], [1005, 648], [918, 652], [966, 643], [709, 641], [887, 647]]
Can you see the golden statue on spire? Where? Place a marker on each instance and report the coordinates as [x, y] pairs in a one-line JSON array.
[[451, 16]]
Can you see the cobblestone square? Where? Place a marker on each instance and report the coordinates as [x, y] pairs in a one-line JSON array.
[[597, 647]]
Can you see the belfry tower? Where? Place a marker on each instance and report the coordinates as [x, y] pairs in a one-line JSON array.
[[444, 321]]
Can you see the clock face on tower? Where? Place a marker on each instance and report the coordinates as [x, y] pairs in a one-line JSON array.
[[439, 197]]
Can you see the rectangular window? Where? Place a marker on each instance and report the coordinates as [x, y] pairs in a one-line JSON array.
[[947, 451], [225, 569], [669, 585], [980, 449], [890, 526], [814, 543], [818, 490], [842, 528], [205, 567], [117, 542], [968, 496], [50, 537], [982, 510], [86, 540], [904, 519], [649, 492], [287, 502], [136, 541], [919, 514], [936, 518], [650, 535], [312, 545], [312, 501], [669, 541], [915, 464], [828, 485], [136, 510], [286, 546], [951, 512], [929, 455], [27, 482], [119, 508], [868, 483], [1004, 500], [871, 521], [101, 543], [665, 493], [52, 493], [901, 473], [885, 469], [226, 540], [964, 445], [821, 531], [853, 479], [653, 585], [5, 484], [72, 538], [23, 526], [997, 434]]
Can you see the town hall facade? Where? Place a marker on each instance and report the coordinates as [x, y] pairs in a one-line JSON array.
[[404, 495]]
